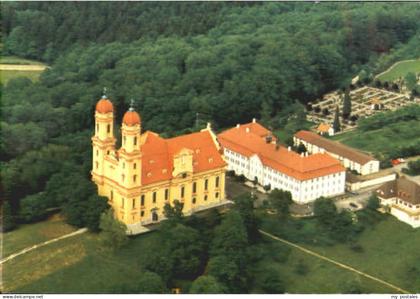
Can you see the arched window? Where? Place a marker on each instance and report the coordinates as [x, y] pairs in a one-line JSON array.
[[135, 140], [97, 128], [112, 195], [123, 177], [125, 139], [217, 182], [96, 164], [108, 128], [134, 178]]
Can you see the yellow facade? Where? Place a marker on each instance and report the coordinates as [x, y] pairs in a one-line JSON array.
[[117, 173]]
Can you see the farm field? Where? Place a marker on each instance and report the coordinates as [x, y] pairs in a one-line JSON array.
[[400, 70], [12, 67]]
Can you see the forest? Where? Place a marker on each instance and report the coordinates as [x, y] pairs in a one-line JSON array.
[[184, 64]]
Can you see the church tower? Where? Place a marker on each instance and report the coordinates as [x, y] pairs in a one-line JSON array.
[[130, 151], [103, 142]]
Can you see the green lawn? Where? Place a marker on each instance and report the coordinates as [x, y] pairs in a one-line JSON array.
[[400, 70], [30, 234], [18, 60], [390, 248], [80, 264], [75, 265], [321, 277], [383, 140]]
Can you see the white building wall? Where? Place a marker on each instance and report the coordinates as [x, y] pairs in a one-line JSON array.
[[302, 191], [368, 168], [414, 221]]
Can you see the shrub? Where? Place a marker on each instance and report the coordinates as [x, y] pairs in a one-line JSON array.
[[356, 247], [33, 208], [301, 268]]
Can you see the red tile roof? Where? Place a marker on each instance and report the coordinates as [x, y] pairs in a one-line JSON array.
[[278, 157], [158, 154], [334, 147]]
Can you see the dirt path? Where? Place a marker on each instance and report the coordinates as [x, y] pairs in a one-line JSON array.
[[400, 290], [12, 256], [22, 67]]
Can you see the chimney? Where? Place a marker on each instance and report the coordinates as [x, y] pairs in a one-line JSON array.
[[208, 126], [238, 125], [268, 139], [247, 130], [289, 148], [254, 120], [306, 154], [301, 154]]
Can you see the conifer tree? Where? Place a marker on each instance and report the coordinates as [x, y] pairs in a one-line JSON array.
[[336, 123], [346, 104]]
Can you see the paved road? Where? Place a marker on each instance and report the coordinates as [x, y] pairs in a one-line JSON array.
[[360, 199], [341, 265], [234, 188], [12, 256]]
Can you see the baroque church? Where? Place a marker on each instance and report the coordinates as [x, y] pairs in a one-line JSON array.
[[149, 171]]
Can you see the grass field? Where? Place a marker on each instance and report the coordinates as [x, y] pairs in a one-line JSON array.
[[30, 234], [7, 75], [81, 265], [75, 265], [383, 140], [390, 248], [321, 277], [400, 70]]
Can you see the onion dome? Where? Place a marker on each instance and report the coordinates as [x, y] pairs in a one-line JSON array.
[[131, 118], [104, 106]]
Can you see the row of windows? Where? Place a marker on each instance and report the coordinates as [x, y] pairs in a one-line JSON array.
[[182, 191], [108, 128], [125, 140]]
